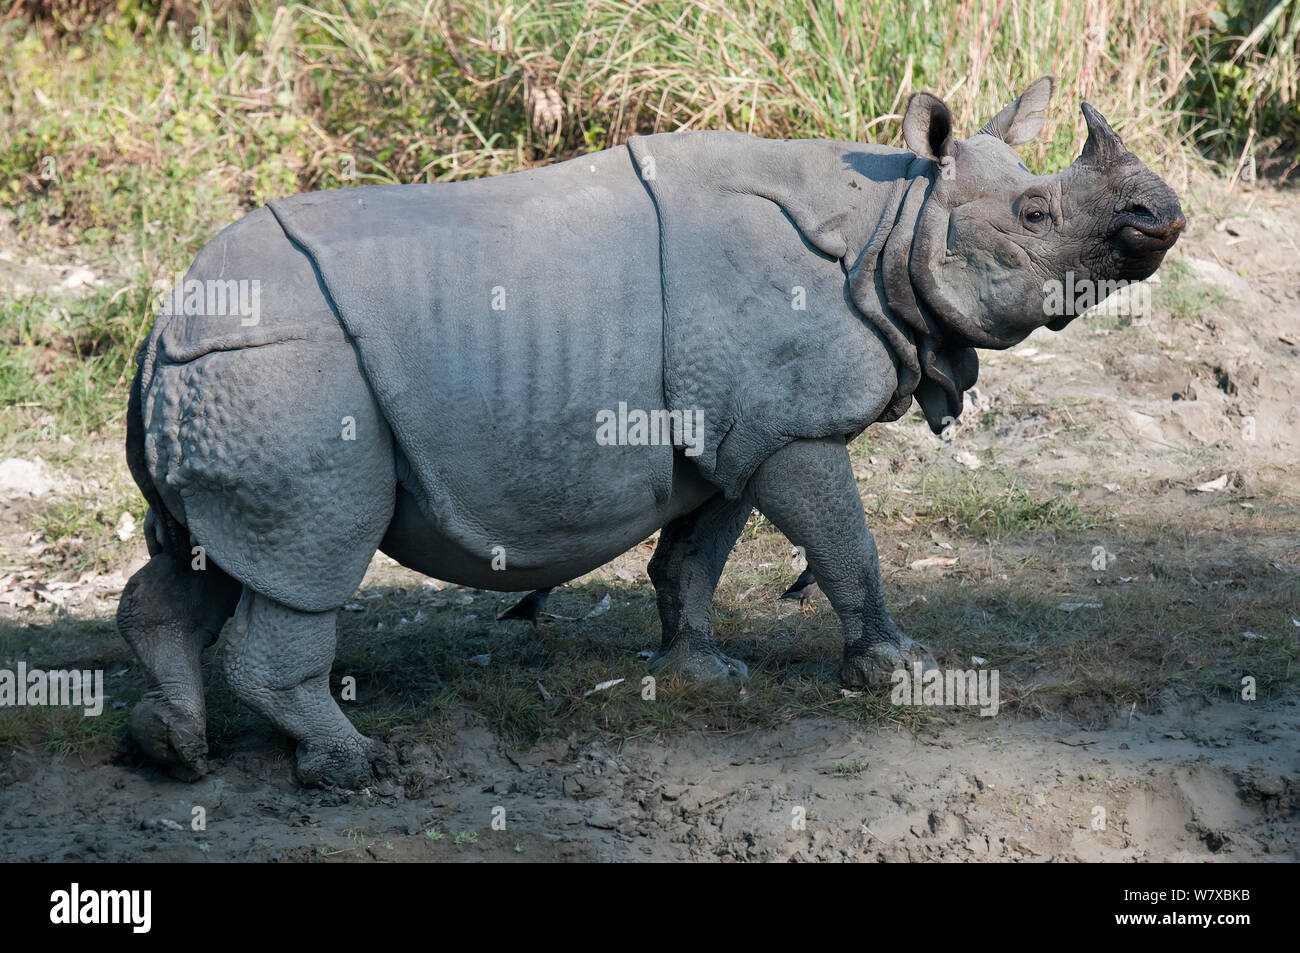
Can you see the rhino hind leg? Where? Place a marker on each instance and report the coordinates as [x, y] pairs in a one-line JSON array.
[[685, 570], [808, 492], [169, 613], [277, 661]]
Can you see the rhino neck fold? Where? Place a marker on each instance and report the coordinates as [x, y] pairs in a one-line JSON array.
[[893, 286], [868, 288], [894, 265], [926, 276]]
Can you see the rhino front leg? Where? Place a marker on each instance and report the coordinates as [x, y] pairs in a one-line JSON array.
[[277, 661], [685, 570], [808, 492]]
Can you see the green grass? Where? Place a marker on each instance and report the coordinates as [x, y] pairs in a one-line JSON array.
[[65, 641], [137, 138], [66, 363], [1242, 89], [851, 769], [419, 673], [985, 504], [1186, 298], [80, 532]]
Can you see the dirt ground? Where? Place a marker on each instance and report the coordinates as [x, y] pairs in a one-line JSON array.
[[1180, 427], [1192, 784]]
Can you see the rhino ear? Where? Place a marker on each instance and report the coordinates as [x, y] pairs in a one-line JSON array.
[[1022, 119], [927, 127]]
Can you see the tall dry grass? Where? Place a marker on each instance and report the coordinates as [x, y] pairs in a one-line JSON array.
[[186, 112], [571, 75]]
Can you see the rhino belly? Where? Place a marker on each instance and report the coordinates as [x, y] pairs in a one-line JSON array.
[[544, 539], [540, 481]]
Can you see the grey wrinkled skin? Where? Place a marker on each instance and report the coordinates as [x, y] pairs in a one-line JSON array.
[[425, 373]]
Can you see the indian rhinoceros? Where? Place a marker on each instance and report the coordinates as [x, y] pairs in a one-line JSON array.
[[507, 382]]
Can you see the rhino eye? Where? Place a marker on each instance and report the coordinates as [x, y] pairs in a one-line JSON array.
[[1035, 216]]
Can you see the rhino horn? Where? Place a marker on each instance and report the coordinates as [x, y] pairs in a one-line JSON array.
[[1103, 146]]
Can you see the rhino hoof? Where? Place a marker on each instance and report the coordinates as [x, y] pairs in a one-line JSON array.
[[698, 663], [874, 666], [352, 763], [170, 736]]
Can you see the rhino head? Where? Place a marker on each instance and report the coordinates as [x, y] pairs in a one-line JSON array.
[[994, 237]]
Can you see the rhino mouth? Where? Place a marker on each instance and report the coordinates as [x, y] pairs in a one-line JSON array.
[[1139, 239], [1140, 231]]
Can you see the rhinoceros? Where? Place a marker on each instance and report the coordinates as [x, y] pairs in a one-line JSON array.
[[507, 382]]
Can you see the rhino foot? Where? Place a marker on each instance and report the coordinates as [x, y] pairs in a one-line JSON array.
[[701, 662], [170, 735], [352, 763], [873, 666]]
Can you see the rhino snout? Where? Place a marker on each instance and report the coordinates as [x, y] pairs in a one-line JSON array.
[[1140, 240], [1142, 231]]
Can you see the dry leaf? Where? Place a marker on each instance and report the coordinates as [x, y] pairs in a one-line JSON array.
[[604, 686], [935, 562], [1214, 486], [602, 606]]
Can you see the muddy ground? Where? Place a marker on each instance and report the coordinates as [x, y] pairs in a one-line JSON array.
[[1114, 528], [1190, 784]]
